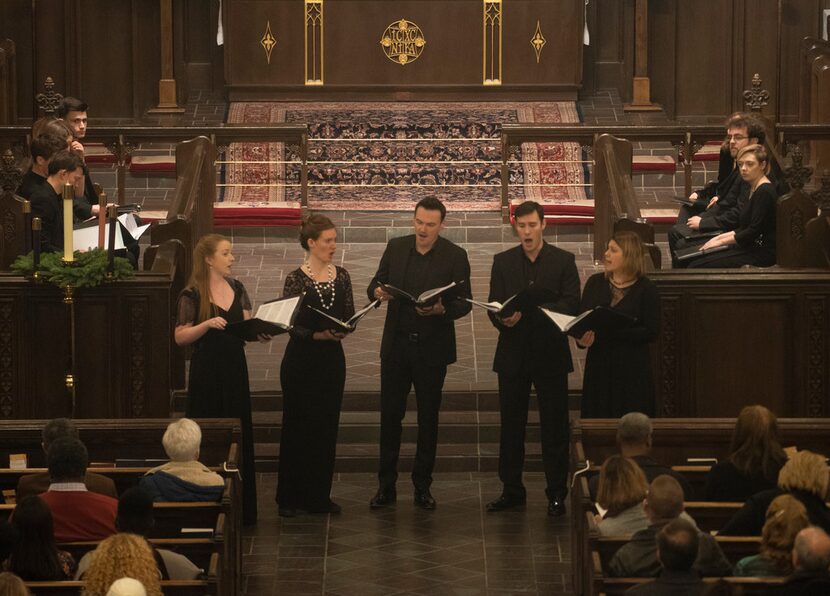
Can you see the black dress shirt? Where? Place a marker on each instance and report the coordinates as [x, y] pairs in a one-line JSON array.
[[29, 183], [414, 282]]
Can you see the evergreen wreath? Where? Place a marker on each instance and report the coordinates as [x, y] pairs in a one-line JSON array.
[[89, 269]]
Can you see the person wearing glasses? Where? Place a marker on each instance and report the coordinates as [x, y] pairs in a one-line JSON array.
[[714, 207]]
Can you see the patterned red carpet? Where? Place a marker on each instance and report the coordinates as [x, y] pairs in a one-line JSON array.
[[386, 156]]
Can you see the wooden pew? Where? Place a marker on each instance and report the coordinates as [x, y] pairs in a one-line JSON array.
[[190, 215], [813, 91], [206, 587]]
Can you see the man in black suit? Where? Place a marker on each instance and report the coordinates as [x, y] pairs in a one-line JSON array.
[[417, 344], [533, 351]]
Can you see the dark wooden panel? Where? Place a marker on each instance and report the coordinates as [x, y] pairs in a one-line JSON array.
[[16, 24], [612, 34]]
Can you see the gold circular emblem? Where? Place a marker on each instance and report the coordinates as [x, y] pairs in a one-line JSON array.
[[403, 42]]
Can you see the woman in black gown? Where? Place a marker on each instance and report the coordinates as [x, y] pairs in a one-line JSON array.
[[618, 376], [313, 373], [753, 242], [218, 383]]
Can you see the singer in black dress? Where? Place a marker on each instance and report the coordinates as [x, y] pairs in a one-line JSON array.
[[217, 385], [313, 374], [618, 377]]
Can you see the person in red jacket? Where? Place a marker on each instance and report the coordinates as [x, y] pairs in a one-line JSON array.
[[78, 514]]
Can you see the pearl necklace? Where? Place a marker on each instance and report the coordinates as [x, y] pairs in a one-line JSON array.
[[324, 285]]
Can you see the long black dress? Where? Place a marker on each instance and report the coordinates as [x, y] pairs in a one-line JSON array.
[[313, 374], [618, 376], [218, 382]]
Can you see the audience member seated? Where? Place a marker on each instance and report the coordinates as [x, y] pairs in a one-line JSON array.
[[638, 558], [811, 559], [754, 461], [752, 241], [183, 478], [804, 476], [11, 585], [127, 586], [677, 548], [41, 149], [786, 517], [35, 484], [35, 557], [711, 208], [622, 488], [122, 555], [135, 516], [634, 441], [78, 513], [47, 202]]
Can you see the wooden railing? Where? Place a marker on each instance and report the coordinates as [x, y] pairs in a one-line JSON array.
[[122, 141]]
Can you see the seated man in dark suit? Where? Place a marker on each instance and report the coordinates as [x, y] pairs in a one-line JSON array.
[[811, 560], [638, 558], [77, 513], [677, 546], [634, 441], [35, 484], [41, 149], [47, 202]]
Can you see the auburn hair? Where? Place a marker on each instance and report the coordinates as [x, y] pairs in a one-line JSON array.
[[200, 277]]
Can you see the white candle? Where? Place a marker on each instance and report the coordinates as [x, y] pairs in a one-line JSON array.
[[68, 196]]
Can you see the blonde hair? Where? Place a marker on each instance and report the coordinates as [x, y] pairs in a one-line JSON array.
[[622, 484], [11, 585], [122, 555], [200, 278], [786, 517], [760, 154], [633, 251], [805, 471]]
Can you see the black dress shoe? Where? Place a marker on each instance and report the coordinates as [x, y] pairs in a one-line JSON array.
[[330, 507], [424, 499], [287, 512], [383, 498], [504, 503], [556, 507]]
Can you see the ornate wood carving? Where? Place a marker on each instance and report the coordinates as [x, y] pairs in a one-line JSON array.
[[822, 195], [797, 174], [668, 357], [10, 174], [48, 101], [138, 357], [756, 97], [7, 359], [816, 355]]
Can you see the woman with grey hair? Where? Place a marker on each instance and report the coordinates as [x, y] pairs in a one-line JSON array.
[[183, 478]]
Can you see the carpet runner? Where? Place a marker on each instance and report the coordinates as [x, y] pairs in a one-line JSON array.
[[386, 156]]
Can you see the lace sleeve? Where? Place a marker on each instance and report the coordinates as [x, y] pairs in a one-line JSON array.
[[187, 309], [244, 299], [348, 296], [294, 286]]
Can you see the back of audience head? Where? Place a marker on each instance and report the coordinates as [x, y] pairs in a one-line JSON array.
[[135, 512], [677, 545], [755, 449], [811, 551], [53, 126], [67, 459], [58, 428], [182, 440], [127, 586], [35, 555], [664, 499], [634, 432], [122, 555], [786, 517], [805, 471], [11, 585], [622, 485]]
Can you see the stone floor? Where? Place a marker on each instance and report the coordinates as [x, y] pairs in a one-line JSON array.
[[458, 549]]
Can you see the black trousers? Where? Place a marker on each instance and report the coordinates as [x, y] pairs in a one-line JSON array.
[[398, 372], [514, 396]]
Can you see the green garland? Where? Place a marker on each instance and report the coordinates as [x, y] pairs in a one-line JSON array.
[[89, 269]]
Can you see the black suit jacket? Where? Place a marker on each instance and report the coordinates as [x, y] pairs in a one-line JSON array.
[[48, 206], [436, 344], [534, 341]]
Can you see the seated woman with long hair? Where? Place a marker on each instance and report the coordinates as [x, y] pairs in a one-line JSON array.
[[34, 556], [805, 477], [622, 488], [122, 555], [754, 461], [786, 517]]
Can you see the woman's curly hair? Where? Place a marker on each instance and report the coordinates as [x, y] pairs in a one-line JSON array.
[[122, 555]]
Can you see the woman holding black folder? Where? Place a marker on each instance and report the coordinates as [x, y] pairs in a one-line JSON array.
[[218, 382], [618, 376], [313, 374]]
